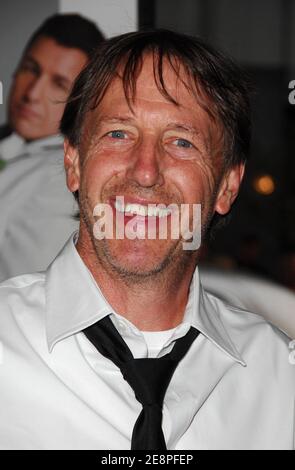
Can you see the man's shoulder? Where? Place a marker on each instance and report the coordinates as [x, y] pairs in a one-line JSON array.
[[22, 281], [22, 320], [272, 301], [21, 294], [243, 322], [260, 343]]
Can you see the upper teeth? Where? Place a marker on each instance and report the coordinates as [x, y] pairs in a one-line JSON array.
[[139, 209]]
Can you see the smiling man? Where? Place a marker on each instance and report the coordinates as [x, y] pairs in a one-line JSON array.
[[149, 151], [33, 199], [117, 345]]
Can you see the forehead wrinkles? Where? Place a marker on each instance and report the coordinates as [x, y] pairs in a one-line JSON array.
[[170, 77], [129, 69], [169, 86]]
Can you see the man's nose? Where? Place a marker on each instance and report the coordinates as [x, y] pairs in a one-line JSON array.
[[146, 165], [36, 88]]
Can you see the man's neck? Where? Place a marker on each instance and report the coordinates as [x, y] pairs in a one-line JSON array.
[[156, 303]]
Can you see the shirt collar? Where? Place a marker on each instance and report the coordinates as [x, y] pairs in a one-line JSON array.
[[14, 145], [74, 301]]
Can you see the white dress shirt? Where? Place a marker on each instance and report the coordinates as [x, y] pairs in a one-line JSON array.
[[35, 205], [234, 389]]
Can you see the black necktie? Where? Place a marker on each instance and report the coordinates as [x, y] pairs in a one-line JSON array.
[[148, 377]]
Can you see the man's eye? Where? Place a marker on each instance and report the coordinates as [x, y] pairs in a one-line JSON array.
[[183, 143], [28, 68], [61, 85], [117, 134]]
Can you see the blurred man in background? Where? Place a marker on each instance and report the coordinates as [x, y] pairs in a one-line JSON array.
[[36, 209]]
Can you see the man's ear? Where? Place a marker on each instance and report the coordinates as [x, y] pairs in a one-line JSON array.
[[72, 167], [229, 188]]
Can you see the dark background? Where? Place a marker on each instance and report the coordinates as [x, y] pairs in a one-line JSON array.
[[260, 35]]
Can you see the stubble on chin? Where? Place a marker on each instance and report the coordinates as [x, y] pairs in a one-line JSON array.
[[112, 258]]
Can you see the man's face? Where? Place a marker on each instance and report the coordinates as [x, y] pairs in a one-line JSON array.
[[41, 85], [155, 153]]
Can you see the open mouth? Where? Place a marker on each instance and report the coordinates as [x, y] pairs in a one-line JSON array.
[[140, 218], [132, 218], [142, 210]]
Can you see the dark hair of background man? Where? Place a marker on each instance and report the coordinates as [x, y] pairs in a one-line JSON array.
[[70, 30]]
